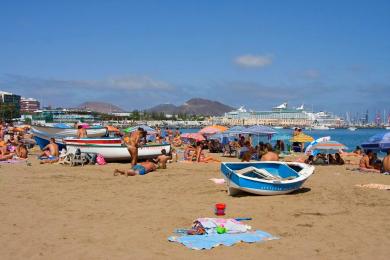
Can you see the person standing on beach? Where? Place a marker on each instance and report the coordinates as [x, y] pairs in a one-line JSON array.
[[133, 144]]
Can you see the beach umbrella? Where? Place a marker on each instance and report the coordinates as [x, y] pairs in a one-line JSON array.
[[301, 138], [279, 136], [194, 136], [210, 130], [378, 142], [84, 125], [328, 146], [148, 129], [259, 130], [319, 140], [235, 130]]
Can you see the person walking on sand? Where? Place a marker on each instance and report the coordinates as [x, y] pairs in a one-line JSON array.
[[138, 169], [133, 144]]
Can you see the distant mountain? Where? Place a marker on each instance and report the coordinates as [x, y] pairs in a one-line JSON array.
[[195, 106], [100, 107]]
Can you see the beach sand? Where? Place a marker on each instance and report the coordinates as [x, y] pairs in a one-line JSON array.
[[62, 212]]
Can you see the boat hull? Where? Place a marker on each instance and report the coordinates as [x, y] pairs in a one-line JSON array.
[[67, 132], [119, 153], [237, 182], [42, 140]]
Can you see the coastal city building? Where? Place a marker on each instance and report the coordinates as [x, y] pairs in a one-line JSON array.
[[29, 105], [10, 103], [281, 115], [62, 116]]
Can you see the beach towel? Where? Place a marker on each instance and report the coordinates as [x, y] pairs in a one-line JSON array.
[[13, 161], [199, 242], [374, 186], [360, 170]]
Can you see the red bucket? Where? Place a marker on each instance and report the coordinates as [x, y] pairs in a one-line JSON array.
[[220, 209]]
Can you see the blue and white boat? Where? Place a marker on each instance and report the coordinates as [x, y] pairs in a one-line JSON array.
[[42, 134], [265, 178]]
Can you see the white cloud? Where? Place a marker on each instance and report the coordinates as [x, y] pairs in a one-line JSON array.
[[254, 61], [311, 74]]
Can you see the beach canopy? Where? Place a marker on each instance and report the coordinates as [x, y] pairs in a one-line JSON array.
[[378, 142], [328, 146], [148, 129], [235, 130], [279, 136], [210, 130], [259, 130], [194, 136], [302, 138]]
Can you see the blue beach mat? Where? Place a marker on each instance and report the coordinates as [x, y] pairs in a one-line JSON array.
[[199, 242]]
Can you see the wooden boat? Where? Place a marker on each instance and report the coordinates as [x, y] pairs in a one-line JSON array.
[[67, 132], [113, 151], [265, 178], [42, 134]]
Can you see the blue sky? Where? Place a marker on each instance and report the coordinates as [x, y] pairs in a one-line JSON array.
[[332, 55]]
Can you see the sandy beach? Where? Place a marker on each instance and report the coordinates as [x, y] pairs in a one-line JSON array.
[[60, 212]]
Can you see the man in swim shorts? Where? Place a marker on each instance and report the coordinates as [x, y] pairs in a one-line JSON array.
[[50, 151], [138, 169]]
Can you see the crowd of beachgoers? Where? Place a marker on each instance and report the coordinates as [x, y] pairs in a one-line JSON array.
[[15, 141]]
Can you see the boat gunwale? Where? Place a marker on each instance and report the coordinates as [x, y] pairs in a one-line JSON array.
[[302, 176]]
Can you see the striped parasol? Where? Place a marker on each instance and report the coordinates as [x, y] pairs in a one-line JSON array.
[[329, 145], [194, 136]]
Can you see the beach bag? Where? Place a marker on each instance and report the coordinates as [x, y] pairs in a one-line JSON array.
[[100, 159]]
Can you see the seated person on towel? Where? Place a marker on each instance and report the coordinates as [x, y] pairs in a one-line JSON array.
[[138, 169], [364, 164], [270, 155], [21, 151], [162, 159], [50, 151], [386, 163]]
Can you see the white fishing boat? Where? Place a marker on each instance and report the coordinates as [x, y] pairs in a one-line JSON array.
[[320, 127], [67, 132], [114, 151], [277, 127], [352, 128]]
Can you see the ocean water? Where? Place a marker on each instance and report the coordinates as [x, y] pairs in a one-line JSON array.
[[349, 138]]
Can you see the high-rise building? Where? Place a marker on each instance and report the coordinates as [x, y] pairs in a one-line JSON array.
[[10, 105], [29, 105]]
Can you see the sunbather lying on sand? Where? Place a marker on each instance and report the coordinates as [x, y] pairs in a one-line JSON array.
[[138, 169]]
